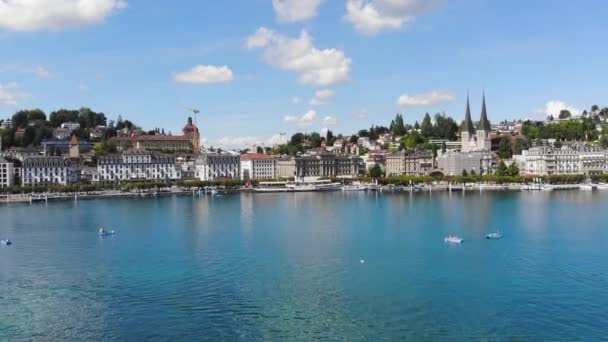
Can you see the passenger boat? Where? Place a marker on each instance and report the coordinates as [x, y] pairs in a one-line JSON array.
[[452, 239], [586, 187], [6, 242], [103, 232], [355, 187], [494, 236]]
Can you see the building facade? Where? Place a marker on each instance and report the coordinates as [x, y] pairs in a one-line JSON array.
[[472, 139], [216, 166], [414, 163], [7, 173], [46, 170], [574, 159], [286, 167], [457, 163], [258, 166], [136, 165], [189, 142], [327, 165]]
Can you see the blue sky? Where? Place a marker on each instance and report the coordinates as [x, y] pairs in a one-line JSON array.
[[138, 58]]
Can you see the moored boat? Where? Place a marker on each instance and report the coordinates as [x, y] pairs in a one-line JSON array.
[[6, 242], [103, 232], [494, 236], [453, 239]]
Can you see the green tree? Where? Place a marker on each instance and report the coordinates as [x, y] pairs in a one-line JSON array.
[[504, 148], [376, 171], [426, 129], [464, 173], [604, 141], [416, 125], [315, 140], [565, 114], [513, 170], [501, 170]]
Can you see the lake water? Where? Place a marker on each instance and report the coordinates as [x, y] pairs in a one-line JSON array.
[[288, 267]]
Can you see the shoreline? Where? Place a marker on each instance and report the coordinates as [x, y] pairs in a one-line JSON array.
[[111, 194]]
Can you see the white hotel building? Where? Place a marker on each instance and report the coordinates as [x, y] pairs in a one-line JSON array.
[[217, 166], [136, 165], [258, 166], [574, 159], [7, 173], [46, 170]]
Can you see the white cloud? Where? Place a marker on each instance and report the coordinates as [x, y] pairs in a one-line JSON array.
[[373, 16], [314, 66], [296, 100], [426, 99], [83, 87], [41, 72], [554, 107], [321, 97], [305, 120], [30, 15], [295, 10], [247, 141], [360, 114], [329, 121], [9, 94], [205, 74]]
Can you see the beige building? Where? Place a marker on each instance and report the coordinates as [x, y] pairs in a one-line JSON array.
[[327, 165], [286, 167], [415, 163], [189, 142], [574, 159]]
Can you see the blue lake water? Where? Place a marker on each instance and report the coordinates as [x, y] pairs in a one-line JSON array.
[[288, 267]]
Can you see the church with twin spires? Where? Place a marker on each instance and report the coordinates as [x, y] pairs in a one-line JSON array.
[[476, 139]]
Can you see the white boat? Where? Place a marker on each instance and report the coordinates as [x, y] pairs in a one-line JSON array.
[[585, 187], [6, 242], [272, 187], [494, 236], [316, 185], [601, 186], [355, 187], [452, 239]]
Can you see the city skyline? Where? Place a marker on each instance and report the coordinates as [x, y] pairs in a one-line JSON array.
[[289, 66]]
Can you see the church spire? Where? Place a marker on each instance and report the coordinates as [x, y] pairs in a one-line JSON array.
[[484, 123], [468, 123]]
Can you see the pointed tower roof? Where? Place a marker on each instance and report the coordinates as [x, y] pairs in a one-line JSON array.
[[468, 123], [74, 140], [484, 123]]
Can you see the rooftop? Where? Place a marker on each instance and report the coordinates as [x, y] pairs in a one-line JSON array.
[[255, 156]]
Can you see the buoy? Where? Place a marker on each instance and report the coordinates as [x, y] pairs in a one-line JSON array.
[[362, 261]]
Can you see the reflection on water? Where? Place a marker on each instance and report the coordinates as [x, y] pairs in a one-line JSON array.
[[287, 266]]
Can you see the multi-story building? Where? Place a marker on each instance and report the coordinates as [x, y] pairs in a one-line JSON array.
[[574, 159], [456, 163], [327, 165], [188, 142], [414, 163], [46, 170], [6, 124], [7, 173], [218, 166], [286, 167], [258, 166], [136, 165], [72, 126]]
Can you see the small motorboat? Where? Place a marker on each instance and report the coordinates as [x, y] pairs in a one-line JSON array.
[[103, 232], [494, 236], [6, 242], [453, 239]]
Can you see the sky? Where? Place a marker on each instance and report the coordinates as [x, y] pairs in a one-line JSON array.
[[258, 68]]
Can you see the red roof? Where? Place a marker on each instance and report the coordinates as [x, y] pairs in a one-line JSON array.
[[255, 156], [153, 137]]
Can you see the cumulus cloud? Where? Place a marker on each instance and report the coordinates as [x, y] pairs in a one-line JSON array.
[[552, 108], [295, 10], [205, 74], [426, 99], [321, 97], [30, 15], [373, 16], [328, 121], [306, 119], [248, 141], [296, 100], [314, 66], [9, 94], [359, 114]]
